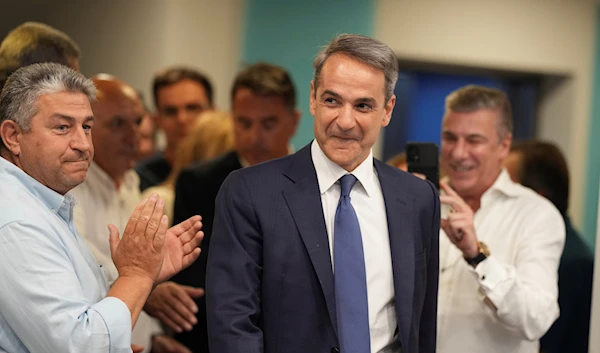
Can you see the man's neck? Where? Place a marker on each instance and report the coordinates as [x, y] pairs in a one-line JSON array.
[[8, 156]]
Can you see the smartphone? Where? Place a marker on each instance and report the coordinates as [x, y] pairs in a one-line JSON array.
[[422, 157]]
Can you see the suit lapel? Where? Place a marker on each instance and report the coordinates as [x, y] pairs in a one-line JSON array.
[[304, 201], [400, 218]]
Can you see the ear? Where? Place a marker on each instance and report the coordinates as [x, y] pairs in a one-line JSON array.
[[11, 133], [313, 98], [505, 144], [389, 108]]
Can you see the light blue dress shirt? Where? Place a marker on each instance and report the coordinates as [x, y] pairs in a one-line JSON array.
[[52, 291]]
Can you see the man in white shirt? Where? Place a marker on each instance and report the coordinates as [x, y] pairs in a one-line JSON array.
[[500, 242], [111, 189], [53, 295]]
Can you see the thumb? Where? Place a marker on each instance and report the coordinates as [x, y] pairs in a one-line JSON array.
[[193, 291], [113, 239]]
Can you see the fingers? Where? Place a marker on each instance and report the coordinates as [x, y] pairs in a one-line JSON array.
[[160, 235], [131, 224], [178, 320], [447, 189], [188, 247], [419, 175], [194, 293], [113, 239], [185, 225], [454, 217], [137, 349], [190, 258], [189, 232], [146, 215], [167, 321], [167, 344]]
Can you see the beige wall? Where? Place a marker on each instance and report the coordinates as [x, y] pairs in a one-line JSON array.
[[550, 36], [135, 38]]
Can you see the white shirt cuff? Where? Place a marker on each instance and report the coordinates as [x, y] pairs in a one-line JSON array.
[[492, 278]]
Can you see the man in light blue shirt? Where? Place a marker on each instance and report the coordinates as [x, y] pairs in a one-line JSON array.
[[53, 295]]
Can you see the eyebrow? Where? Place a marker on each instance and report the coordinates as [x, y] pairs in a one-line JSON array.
[[369, 100], [70, 119], [450, 133], [330, 93]]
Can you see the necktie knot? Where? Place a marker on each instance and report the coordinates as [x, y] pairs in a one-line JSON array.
[[347, 183]]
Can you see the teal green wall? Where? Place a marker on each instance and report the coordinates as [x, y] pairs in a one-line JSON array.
[[290, 34], [593, 151]]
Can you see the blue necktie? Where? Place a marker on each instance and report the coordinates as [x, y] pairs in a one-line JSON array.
[[349, 275]]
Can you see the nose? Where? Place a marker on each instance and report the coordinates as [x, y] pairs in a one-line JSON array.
[[81, 140], [254, 135], [132, 134], [459, 151], [184, 117], [345, 120]]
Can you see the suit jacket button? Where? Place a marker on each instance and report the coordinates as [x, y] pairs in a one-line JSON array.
[[335, 350]]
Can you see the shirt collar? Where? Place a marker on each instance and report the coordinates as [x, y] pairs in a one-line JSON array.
[[328, 172], [53, 200], [504, 185]]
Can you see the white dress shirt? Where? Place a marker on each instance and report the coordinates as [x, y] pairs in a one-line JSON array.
[[98, 204], [52, 291], [525, 234], [367, 200]]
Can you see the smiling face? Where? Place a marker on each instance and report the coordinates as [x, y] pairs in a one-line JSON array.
[[57, 149], [349, 108], [473, 151]]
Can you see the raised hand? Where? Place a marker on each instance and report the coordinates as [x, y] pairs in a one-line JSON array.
[[181, 247], [140, 251], [459, 226]]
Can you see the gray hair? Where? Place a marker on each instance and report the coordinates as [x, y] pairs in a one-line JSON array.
[[18, 101], [472, 98], [364, 49]]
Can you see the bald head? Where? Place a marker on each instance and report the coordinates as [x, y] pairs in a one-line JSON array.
[[118, 112]]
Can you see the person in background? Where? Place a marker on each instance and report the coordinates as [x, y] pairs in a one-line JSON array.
[[34, 42], [265, 118], [180, 95], [500, 242], [53, 295], [112, 186], [147, 130], [541, 166], [210, 137]]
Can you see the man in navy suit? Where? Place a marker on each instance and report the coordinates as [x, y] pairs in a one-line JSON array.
[[329, 249]]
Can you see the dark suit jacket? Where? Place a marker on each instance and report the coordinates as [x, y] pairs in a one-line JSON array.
[[570, 332], [269, 284], [153, 170], [195, 193]]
